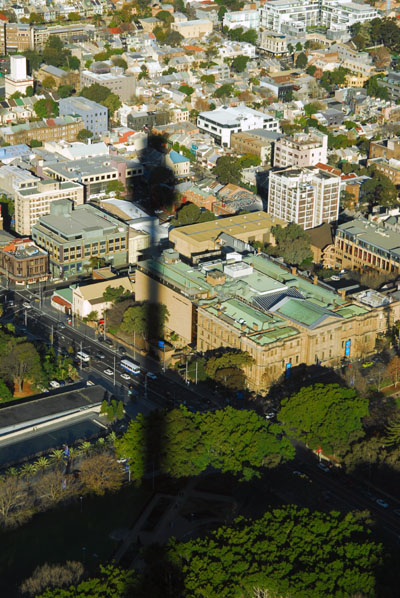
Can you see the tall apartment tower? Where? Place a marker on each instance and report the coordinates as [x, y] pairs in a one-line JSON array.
[[18, 79], [307, 196]]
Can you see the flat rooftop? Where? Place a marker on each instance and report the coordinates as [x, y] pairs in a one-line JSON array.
[[232, 225], [233, 115], [369, 233], [22, 415], [84, 220]]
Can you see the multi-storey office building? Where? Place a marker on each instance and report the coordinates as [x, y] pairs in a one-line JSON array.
[[124, 86], [307, 196], [93, 114], [72, 237], [33, 196], [252, 303], [95, 173], [361, 244]]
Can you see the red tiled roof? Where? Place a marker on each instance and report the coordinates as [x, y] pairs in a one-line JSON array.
[[345, 177], [328, 168], [125, 136], [3, 17], [50, 122], [193, 48], [60, 301], [115, 30]]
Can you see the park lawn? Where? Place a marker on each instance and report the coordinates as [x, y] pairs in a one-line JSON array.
[[67, 533]]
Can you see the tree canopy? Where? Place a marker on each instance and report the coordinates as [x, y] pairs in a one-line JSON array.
[[182, 443], [229, 169], [225, 91], [290, 551], [292, 244], [329, 416], [45, 108], [102, 95], [115, 294], [238, 34], [111, 581], [239, 63], [84, 134], [189, 213], [301, 61], [147, 319]]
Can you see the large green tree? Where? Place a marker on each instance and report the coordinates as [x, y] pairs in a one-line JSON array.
[[290, 551], [111, 582], [146, 319], [115, 294], [329, 416], [181, 443], [45, 108], [189, 213], [239, 63], [301, 61], [292, 244], [95, 92]]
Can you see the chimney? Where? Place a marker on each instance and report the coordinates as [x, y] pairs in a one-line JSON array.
[[315, 279], [342, 293], [294, 270]]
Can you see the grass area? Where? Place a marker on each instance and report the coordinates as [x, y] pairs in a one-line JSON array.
[[67, 533]]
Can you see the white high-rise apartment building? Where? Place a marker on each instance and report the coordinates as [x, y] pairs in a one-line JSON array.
[[282, 16], [307, 196], [301, 149]]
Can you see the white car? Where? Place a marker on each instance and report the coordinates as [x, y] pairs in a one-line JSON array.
[[125, 376], [109, 372], [324, 467], [89, 383], [26, 305], [55, 384], [151, 376], [382, 503]]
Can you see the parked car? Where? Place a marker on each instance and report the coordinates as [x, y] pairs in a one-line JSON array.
[[382, 503], [55, 384], [109, 342], [324, 467], [26, 305]]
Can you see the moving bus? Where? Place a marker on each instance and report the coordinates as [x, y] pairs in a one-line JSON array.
[[82, 356], [129, 366]]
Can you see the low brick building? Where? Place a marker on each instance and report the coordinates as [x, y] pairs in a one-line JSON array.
[[50, 129]]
